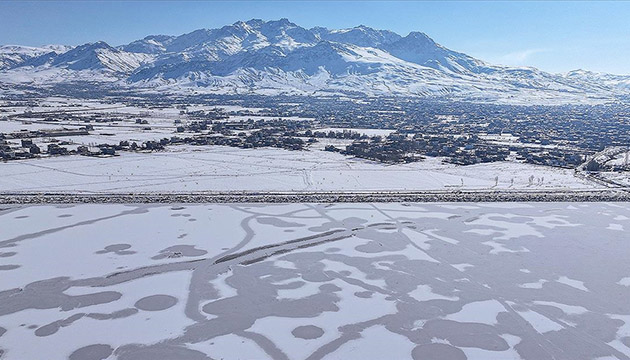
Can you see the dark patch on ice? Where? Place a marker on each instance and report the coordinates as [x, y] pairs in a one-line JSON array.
[[364, 294], [461, 334], [115, 247], [115, 315], [49, 294], [10, 242], [7, 254], [177, 208], [347, 223], [256, 300], [156, 302], [316, 276], [63, 206], [32, 327], [54, 326], [555, 222], [159, 351], [118, 249], [382, 242], [65, 216], [437, 352], [192, 220], [22, 217], [626, 341], [284, 247], [308, 332], [519, 307], [2, 331], [512, 219], [8, 267], [92, 352], [292, 285], [333, 250], [179, 251], [277, 222], [329, 288]]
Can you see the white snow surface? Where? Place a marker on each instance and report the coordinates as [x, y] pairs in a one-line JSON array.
[[217, 168]]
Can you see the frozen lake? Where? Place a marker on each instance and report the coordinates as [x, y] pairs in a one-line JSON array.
[[315, 281]]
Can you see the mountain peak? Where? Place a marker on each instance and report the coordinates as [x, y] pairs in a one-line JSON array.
[[95, 45], [580, 72], [419, 36], [363, 27], [284, 21], [361, 35], [280, 55], [255, 22], [258, 23]]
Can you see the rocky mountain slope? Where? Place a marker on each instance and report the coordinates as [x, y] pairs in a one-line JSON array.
[[280, 57]]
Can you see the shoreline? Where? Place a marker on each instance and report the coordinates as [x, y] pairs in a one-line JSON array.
[[605, 195]]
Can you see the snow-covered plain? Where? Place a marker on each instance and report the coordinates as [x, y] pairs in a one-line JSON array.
[[298, 281], [218, 168]]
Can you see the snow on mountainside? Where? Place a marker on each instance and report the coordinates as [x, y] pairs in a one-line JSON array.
[[153, 44], [14, 55], [418, 48], [92, 56], [93, 62], [280, 57], [618, 81], [360, 35]]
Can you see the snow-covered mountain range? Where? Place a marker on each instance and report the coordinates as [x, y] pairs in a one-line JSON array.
[[280, 57]]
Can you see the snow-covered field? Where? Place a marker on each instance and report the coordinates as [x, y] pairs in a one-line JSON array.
[[622, 178], [217, 168], [297, 281], [214, 168]]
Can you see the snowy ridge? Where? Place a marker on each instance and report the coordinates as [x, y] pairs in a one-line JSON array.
[[280, 57], [14, 55]]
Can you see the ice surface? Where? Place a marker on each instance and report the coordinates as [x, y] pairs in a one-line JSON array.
[[573, 283], [483, 312], [568, 309], [539, 322], [346, 281]]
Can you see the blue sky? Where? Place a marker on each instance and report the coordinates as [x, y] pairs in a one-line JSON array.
[[553, 36]]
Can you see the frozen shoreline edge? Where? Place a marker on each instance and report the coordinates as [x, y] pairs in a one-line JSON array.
[[608, 195]]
